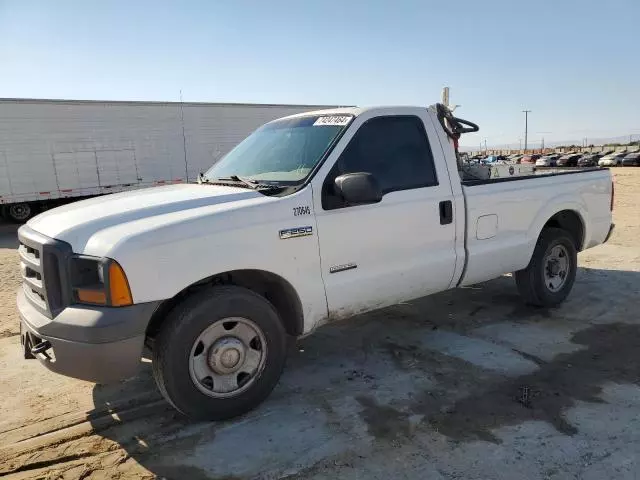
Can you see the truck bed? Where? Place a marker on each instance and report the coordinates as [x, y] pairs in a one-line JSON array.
[[545, 172], [506, 215]]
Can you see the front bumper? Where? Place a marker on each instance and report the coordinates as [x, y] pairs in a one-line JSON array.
[[98, 344]]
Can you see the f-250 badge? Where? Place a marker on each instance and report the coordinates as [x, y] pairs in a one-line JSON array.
[[295, 232]]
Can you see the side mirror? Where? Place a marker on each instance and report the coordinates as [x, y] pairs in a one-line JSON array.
[[358, 188]]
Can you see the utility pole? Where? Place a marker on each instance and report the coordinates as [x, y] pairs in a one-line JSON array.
[[520, 140], [184, 140], [526, 127], [542, 144], [485, 145]]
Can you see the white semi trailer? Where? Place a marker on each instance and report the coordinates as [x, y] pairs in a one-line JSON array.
[[56, 151]]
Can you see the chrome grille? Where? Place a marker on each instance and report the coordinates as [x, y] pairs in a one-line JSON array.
[[31, 269], [42, 265]]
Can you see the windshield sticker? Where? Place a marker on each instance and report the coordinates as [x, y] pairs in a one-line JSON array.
[[333, 120]]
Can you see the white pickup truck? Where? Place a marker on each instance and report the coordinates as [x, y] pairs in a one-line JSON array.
[[313, 218]]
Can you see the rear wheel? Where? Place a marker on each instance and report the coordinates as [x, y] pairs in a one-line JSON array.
[[549, 277], [220, 353]]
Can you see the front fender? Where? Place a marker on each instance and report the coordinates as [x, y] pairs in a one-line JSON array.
[[163, 261]]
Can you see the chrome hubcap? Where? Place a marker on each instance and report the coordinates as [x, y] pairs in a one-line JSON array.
[[556, 268], [227, 357]]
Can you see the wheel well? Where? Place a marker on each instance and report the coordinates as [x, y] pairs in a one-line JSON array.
[[269, 285], [571, 222]]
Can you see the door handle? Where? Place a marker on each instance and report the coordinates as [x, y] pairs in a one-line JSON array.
[[446, 212]]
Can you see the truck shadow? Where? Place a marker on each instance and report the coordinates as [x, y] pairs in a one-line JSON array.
[[391, 375]]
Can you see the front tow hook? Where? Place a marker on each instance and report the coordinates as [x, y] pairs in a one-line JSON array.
[[42, 347]]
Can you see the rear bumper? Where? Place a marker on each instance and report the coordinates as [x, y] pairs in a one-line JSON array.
[[611, 228], [97, 344]]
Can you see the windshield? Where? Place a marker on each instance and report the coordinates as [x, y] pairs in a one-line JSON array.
[[284, 151]]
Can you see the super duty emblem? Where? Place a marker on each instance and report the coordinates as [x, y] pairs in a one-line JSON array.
[[295, 232]]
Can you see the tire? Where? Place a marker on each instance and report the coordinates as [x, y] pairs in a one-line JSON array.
[[532, 282], [176, 349], [19, 212]]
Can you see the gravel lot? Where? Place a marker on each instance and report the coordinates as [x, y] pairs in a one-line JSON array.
[[465, 384]]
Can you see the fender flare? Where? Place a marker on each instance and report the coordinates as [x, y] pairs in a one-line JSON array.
[[554, 206]]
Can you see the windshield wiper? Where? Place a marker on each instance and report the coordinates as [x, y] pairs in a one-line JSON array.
[[235, 178], [244, 182]]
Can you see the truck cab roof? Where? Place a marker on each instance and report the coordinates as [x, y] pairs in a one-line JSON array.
[[357, 111]]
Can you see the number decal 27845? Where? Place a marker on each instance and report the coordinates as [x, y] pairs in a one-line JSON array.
[[297, 211]]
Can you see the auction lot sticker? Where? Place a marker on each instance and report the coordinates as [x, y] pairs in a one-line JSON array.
[[332, 120]]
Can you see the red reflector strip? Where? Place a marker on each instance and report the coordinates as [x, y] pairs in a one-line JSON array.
[[45, 193], [177, 180], [67, 190], [160, 182]]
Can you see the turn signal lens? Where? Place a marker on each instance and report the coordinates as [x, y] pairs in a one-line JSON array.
[[118, 286], [96, 297]]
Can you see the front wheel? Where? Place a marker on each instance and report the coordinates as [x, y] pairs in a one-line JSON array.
[[549, 277], [220, 353]]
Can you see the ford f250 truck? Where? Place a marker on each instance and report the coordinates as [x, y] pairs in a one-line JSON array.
[[313, 218]]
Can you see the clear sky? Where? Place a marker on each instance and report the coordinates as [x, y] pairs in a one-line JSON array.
[[575, 64]]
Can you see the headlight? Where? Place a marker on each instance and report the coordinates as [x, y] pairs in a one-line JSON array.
[[99, 281]]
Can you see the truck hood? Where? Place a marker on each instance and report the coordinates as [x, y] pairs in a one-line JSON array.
[[134, 212]]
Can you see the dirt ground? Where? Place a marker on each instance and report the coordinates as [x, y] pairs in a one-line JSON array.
[[465, 384]]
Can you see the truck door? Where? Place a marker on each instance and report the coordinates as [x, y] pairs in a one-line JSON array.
[[402, 247]]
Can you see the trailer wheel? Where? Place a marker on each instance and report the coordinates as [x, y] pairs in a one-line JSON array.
[[220, 353], [19, 212], [549, 277]]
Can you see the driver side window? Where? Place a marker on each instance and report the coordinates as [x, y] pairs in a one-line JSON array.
[[394, 149]]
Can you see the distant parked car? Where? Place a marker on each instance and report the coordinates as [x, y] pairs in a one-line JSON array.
[[494, 159], [530, 158], [547, 161], [569, 160], [612, 160], [631, 160], [589, 160]]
